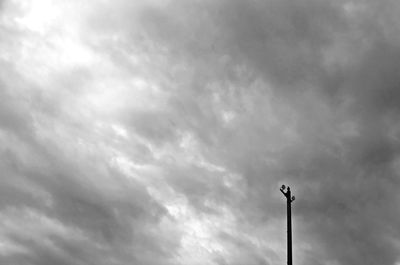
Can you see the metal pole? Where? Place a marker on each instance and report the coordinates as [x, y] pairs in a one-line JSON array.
[[289, 200]]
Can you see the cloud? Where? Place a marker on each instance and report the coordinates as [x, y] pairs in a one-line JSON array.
[[158, 132]]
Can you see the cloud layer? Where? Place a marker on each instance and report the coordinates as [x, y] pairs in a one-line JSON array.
[[159, 132]]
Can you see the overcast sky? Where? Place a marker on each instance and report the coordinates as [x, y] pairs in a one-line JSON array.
[[158, 132]]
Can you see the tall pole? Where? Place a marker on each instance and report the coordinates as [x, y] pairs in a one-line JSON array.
[[289, 199]]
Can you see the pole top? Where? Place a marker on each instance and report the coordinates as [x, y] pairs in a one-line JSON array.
[[286, 191]]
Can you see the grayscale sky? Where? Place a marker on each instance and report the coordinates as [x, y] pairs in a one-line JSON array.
[[158, 132]]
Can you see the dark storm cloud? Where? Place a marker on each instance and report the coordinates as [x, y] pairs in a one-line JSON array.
[[343, 160], [237, 98]]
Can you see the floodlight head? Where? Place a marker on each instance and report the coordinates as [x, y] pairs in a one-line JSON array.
[[283, 187], [293, 198]]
